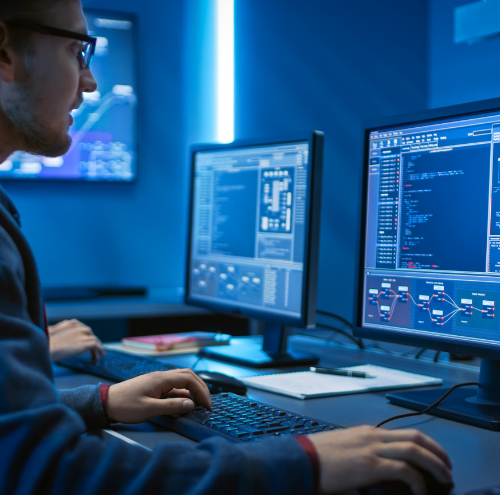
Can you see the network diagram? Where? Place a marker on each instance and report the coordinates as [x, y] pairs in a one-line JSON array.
[[429, 304]]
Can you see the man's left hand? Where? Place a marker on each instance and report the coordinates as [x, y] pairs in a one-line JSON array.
[[70, 338]]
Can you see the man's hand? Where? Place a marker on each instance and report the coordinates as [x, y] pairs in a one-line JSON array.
[[364, 456], [157, 393], [70, 338]]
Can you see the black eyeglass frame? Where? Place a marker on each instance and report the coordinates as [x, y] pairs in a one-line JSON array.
[[84, 60]]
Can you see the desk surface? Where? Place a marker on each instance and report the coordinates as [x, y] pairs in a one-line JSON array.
[[475, 452]]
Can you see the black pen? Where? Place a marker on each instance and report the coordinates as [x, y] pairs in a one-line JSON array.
[[343, 373]]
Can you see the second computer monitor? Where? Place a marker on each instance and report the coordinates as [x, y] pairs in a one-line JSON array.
[[429, 263], [254, 233]]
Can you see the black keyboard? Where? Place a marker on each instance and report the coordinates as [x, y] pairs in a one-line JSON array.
[[241, 419], [117, 366], [233, 417]]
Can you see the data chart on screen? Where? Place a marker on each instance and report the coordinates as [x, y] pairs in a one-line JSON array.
[[104, 133]]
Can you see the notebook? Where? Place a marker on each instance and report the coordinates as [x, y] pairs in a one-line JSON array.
[[306, 384], [176, 341]]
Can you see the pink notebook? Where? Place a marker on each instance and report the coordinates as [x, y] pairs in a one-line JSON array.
[[172, 341]]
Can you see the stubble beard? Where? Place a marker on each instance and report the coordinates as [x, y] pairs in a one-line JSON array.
[[32, 134]]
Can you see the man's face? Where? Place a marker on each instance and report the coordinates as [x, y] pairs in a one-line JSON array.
[[48, 84]]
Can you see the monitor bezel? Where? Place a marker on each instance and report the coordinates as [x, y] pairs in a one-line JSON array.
[[134, 18], [307, 317], [458, 346]]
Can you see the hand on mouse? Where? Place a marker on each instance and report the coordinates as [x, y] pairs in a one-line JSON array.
[[363, 456], [171, 392]]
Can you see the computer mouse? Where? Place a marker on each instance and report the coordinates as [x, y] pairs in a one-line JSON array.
[[218, 382], [434, 487]]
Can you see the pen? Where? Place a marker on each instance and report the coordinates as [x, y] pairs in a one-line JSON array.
[[343, 373]]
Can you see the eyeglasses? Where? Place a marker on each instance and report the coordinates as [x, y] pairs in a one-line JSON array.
[[84, 56]]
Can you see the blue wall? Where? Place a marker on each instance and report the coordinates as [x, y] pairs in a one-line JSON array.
[[459, 72], [329, 65], [321, 64], [90, 234]]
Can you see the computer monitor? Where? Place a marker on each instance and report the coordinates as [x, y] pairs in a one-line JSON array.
[[429, 246], [104, 133], [254, 240]]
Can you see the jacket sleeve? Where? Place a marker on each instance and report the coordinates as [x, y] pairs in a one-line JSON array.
[[43, 451], [86, 401]]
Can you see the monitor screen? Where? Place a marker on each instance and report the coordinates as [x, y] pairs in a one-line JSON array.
[[249, 229], [104, 133], [430, 256]]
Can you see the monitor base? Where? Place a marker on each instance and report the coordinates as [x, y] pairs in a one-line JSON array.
[[255, 357], [460, 405], [479, 406]]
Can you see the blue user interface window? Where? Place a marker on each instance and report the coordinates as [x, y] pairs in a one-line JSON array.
[[249, 227], [432, 241], [104, 133]]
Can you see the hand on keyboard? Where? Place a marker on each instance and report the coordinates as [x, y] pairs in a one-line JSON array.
[[71, 338], [363, 456], [157, 393]]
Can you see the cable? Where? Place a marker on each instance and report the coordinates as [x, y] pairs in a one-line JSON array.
[[336, 316], [429, 408], [377, 347], [358, 342], [419, 353], [196, 362]]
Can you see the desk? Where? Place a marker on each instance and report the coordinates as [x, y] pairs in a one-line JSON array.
[[475, 452]]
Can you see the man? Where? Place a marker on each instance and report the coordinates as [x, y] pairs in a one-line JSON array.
[[42, 77]]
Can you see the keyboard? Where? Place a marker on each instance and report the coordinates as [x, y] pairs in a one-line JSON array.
[[238, 418], [233, 417], [116, 365]]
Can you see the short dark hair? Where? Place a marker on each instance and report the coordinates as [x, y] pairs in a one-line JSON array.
[[31, 10], [23, 9]]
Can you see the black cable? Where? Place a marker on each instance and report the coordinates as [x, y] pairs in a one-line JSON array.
[[436, 356], [335, 316], [377, 347], [358, 342], [329, 339], [429, 408], [419, 353], [196, 362]]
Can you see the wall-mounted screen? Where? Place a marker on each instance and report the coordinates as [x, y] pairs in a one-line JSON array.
[[104, 133]]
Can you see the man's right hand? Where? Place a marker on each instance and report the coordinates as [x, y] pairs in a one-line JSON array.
[[364, 456]]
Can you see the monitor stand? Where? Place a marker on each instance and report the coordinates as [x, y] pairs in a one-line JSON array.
[[273, 353], [473, 406]]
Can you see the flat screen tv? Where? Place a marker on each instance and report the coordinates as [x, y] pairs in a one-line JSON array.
[[104, 133]]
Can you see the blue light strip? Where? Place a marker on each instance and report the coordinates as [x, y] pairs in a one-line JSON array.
[[225, 71]]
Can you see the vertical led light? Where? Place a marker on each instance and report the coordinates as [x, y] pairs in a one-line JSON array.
[[225, 71]]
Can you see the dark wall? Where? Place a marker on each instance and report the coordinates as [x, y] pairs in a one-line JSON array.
[[124, 234], [459, 73], [329, 65]]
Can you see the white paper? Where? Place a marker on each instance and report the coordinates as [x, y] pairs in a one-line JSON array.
[[306, 384]]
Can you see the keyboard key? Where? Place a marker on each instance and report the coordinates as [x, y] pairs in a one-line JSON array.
[[231, 415], [237, 433]]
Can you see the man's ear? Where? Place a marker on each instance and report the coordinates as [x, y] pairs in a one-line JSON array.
[[6, 56]]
